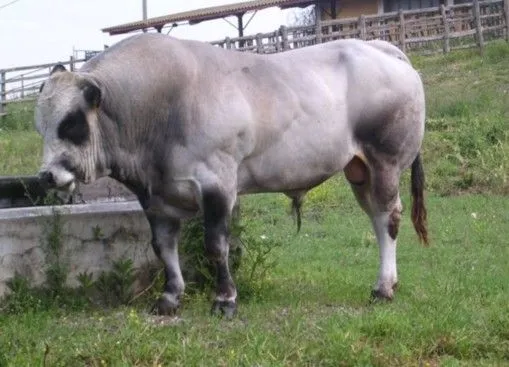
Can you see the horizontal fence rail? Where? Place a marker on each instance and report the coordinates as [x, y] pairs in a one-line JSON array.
[[429, 30], [22, 83]]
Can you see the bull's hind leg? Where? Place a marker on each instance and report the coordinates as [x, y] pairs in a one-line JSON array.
[[386, 224], [377, 191], [217, 209], [165, 233]]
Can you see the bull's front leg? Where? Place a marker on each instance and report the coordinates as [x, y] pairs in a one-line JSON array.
[[217, 210], [165, 234]]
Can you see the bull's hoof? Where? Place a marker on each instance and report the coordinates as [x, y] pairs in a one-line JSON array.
[[378, 295], [166, 306], [227, 309], [383, 293]]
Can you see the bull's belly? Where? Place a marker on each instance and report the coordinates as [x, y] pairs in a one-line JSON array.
[[283, 173]]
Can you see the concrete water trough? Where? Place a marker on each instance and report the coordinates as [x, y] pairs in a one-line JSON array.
[[105, 224]]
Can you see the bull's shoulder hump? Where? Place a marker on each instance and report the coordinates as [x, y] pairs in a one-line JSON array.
[[389, 49]]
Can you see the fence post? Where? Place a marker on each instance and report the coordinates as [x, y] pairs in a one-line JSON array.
[[478, 26], [362, 27], [2, 93], [71, 63], [277, 41], [284, 37], [447, 47], [402, 31], [228, 43], [318, 28], [506, 13], [259, 43]]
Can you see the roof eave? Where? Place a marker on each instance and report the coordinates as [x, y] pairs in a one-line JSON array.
[[129, 27]]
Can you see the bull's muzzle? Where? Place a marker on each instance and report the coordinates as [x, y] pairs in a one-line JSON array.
[[47, 180], [58, 179]]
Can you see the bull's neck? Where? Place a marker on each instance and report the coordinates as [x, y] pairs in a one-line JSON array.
[[122, 158], [129, 169], [130, 146]]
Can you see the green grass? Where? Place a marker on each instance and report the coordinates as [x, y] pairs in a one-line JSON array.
[[20, 152], [466, 148], [20, 144], [312, 307]]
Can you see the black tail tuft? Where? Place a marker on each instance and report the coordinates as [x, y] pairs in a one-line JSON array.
[[419, 213]]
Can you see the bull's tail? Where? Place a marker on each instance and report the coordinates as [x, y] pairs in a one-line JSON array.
[[297, 210], [419, 214]]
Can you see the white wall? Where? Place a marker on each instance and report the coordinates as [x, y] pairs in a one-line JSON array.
[[93, 237]]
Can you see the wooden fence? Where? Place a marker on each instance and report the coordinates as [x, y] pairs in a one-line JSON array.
[[439, 29], [425, 30], [22, 83]]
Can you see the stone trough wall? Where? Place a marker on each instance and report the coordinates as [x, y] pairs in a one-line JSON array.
[[108, 227]]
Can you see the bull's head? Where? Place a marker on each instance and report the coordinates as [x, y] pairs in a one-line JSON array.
[[66, 116]]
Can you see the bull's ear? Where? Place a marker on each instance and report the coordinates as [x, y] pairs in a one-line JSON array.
[[58, 68], [91, 93]]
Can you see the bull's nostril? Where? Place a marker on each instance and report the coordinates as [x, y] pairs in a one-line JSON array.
[[47, 178]]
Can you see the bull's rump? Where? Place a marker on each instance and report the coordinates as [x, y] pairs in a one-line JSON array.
[[329, 102], [289, 120]]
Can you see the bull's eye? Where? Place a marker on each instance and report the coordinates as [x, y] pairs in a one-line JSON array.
[[74, 128]]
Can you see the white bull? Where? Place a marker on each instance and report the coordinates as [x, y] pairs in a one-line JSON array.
[[188, 127]]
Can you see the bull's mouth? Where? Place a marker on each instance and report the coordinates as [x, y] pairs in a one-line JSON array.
[[68, 187], [58, 180]]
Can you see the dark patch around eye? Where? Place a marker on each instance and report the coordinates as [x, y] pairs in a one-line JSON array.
[[74, 128]]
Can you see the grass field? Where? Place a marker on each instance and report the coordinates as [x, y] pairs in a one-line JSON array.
[[312, 308]]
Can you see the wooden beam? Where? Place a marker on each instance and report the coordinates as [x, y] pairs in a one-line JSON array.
[[318, 23], [506, 13], [40, 66], [259, 43], [144, 12], [16, 79], [240, 28], [478, 26], [283, 31], [240, 24], [447, 47], [333, 9], [362, 27], [2, 93], [402, 31]]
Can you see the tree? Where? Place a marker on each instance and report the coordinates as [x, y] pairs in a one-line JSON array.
[[303, 17]]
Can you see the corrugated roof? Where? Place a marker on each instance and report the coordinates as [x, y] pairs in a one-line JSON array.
[[199, 15]]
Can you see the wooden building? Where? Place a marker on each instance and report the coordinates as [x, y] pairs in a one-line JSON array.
[[354, 8]]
